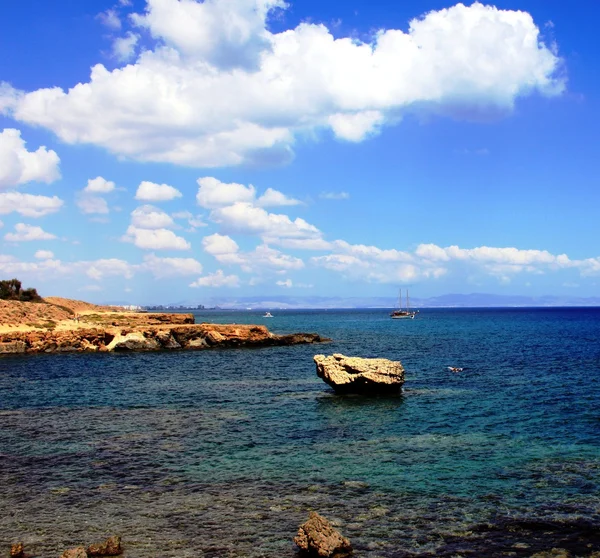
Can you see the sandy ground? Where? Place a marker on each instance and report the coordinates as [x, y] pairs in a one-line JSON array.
[[29, 316]]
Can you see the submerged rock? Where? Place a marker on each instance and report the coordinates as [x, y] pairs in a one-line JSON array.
[[360, 375], [78, 552], [317, 537], [110, 547], [17, 550]]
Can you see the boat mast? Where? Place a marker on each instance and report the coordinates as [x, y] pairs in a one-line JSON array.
[[407, 304]]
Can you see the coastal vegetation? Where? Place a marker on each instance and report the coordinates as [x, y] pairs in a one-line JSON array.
[[12, 289]]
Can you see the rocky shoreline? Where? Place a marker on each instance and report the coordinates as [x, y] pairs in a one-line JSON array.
[[147, 338]]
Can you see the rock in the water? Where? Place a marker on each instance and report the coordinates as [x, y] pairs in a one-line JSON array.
[[317, 537], [110, 547], [78, 552], [360, 375], [554, 553], [17, 550]]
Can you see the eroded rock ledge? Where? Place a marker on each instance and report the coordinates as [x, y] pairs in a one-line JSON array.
[[148, 338]]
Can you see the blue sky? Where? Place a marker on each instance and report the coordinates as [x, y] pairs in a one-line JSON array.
[[162, 150]]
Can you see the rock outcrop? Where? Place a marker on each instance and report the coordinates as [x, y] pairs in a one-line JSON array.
[[78, 552], [147, 338], [360, 375], [110, 547], [17, 550], [317, 537]]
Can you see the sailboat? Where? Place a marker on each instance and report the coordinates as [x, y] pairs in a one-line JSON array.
[[403, 314]]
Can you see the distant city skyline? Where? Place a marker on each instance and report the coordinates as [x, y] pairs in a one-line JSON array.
[[164, 150]]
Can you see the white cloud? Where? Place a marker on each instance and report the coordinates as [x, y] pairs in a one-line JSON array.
[[219, 89], [193, 221], [19, 166], [357, 126], [91, 205], [213, 193], [171, 267], [124, 47], [28, 205], [155, 239], [9, 265], [263, 259], [27, 233], [110, 18], [226, 34], [99, 185], [334, 195], [218, 279], [245, 218], [287, 283], [149, 191], [88, 200], [44, 255], [219, 245], [110, 267], [150, 217], [430, 261], [273, 198]]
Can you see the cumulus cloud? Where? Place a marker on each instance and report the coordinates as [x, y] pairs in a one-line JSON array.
[[218, 279], [149, 191], [44, 255], [219, 89], [219, 245], [430, 261], [245, 218], [287, 283], [99, 185], [28, 233], [212, 194], [124, 47], [19, 166], [90, 202], [150, 217], [263, 259], [29, 205], [224, 33], [171, 267], [155, 239], [99, 269], [110, 19]]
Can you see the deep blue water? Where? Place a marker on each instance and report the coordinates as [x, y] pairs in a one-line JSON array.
[[223, 453]]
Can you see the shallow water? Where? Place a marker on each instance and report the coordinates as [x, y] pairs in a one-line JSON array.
[[223, 453]]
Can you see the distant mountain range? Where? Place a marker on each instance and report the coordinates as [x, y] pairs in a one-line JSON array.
[[474, 300]]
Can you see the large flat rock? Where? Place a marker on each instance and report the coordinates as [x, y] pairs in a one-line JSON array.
[[360, 375]]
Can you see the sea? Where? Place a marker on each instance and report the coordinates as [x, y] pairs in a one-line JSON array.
[[223, 453]]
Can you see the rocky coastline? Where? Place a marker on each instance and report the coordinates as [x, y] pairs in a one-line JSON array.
[[147, 338], [58, 325]]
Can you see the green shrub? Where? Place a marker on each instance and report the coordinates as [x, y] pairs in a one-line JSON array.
[[11, 290]]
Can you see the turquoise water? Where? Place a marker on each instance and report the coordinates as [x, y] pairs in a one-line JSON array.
[[223, 453]]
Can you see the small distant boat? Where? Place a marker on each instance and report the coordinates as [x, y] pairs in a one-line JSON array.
[[403, 313], [455, 369], [268, 315]]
